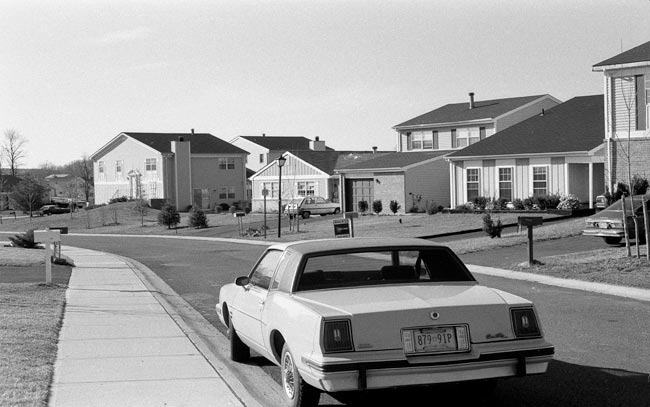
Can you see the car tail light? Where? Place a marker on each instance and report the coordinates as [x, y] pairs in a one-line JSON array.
[[525, 323], [337, 336]]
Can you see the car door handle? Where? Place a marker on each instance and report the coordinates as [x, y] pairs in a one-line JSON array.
[[261, 302]]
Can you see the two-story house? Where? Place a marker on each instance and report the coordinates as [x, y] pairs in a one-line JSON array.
[[627, 114], [458, 125], [184, 168], [558, 151], [66, 187], [265, 149]]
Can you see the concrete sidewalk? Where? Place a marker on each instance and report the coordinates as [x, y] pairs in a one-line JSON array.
[[118, 346]]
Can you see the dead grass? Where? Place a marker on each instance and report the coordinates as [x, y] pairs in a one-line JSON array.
[[31, 317], [610, 266]]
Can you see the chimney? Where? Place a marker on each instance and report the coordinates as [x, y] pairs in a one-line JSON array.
[[542, 112], [317, 145], [471, 100], [192, 131], [374, 149], [263, 134]]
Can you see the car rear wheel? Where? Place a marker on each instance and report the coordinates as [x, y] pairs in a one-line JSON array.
[[296, 391], [613, 240], [337, 211], [239, 352], [306, 214]]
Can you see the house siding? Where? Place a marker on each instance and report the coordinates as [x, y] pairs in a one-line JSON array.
[[294, 171], [389, 187], [206, 174], [133, 155]]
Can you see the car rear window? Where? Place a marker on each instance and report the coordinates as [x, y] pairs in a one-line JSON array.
[[339, 270]]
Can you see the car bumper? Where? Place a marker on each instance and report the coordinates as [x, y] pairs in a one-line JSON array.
[[604, 232], [386, 374]]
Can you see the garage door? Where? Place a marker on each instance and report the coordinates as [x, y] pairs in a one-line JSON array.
[[358, 190]]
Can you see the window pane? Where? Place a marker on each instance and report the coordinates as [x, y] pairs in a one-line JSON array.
[[262, 274]]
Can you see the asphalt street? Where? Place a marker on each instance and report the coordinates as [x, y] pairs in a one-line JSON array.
[[602, 342]]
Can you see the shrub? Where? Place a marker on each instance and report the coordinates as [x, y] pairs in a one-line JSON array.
[[26, 240], [639, 185], [432, 208], [224, 206], [168, 215], [518, 204], [118, 199], [197, 218], [363, 206], [480, 202], [467, 207], [569, 202], [414, 209], [530, 203], [394, 207], [491, 228], [233, 209], [377, 206], [553, 200]]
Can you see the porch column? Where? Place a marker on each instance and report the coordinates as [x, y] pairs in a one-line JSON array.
[[342, 197], [452, 184], [591, 185]]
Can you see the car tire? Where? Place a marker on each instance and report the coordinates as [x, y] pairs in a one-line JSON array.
[[239, 352], [297, 392], [337, 211], [306, 215], [613, 240]]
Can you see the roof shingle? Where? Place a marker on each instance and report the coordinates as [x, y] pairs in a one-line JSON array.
[[460, 112], [640, 53], [201, 143], [574, 126]]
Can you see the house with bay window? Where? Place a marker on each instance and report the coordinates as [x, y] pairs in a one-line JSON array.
[[458, 125], [558, 151], [187, 169], [305, 173], [626, 81]]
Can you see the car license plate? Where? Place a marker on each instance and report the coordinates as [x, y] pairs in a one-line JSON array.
[[435, 339]]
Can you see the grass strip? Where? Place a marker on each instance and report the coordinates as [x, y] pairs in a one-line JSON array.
[[30, 320]]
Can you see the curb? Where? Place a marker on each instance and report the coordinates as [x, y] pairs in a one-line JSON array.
[[252, 386], [600, 288]]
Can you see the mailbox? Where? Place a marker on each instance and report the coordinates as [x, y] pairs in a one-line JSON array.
[[529, 220], [238, 214], [47, 236]]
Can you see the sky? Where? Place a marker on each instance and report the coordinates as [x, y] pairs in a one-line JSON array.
[[74, 74]]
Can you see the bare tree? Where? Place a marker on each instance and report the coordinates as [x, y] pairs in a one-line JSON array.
[[13, 149], [83, 168]]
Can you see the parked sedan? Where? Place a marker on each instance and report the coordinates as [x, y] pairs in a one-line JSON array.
[[608, 223], [52, 210], [311, 205], [370, 313]]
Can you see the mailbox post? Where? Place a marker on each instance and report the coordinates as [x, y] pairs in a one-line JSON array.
[[530, 221], [48, 237]]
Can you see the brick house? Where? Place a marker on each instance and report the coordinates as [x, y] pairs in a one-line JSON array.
[[184, 168], [415, 180], [627, 114]]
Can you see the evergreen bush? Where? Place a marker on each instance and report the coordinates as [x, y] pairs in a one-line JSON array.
[[168, 215], [197, 218]]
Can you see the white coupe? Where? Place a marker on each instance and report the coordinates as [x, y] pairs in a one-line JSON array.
[[370, 313]]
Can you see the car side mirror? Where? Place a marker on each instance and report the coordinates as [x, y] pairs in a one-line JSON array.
[[242, 281]]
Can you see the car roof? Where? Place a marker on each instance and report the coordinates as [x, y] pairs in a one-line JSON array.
[[334, 244]]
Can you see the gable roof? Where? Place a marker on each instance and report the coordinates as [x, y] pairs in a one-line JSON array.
[[640, 53], [460, 112], [576, 125], [280, 142], [396, 160], [201, 143], [328, 161]]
